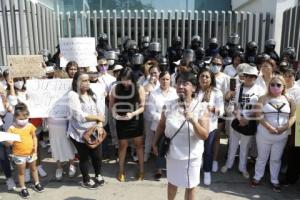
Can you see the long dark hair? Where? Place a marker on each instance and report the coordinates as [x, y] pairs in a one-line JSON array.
[[206, 96], [127, 74], [76, 89]]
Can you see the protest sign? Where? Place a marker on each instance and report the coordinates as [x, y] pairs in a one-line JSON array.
[[25, 65], [9, 137], [80, 49], [48, 97]]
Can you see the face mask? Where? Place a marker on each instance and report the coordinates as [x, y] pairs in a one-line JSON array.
[[103, 68], [4, 84], [215, 69], [276, 91], [23, 122], [111, 62], [19, 84]]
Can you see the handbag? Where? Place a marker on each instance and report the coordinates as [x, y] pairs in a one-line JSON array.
[[92, 137], [250, 128]]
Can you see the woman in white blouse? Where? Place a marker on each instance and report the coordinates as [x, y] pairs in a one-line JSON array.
[[185, 120], [207, 92], [156, 101]]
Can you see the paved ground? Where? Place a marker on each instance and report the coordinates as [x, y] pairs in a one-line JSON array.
[[230, 186]]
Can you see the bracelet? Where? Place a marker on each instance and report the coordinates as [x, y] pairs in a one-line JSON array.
[[98, 126]]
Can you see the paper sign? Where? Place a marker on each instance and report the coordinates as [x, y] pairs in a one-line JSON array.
[[9, 137], [80, 49], [25, 66], [48, 97], [297, 126]]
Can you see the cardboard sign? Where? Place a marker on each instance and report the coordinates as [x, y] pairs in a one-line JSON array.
[[25, 66], [80, 49], [297, 126], [48, 97]]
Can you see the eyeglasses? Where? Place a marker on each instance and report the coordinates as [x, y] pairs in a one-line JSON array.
[[276, 85], [249, 76]]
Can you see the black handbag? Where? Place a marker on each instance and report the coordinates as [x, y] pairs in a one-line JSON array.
[[250, 128]]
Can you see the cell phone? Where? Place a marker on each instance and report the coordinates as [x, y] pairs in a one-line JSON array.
[[232, 84], [94, 135]]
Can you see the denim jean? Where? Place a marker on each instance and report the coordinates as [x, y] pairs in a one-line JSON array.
[[160, 162], [209, 151], [4, 161]]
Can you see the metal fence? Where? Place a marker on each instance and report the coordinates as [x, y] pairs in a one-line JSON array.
[[291, 30], [26, 28], [163, 25]]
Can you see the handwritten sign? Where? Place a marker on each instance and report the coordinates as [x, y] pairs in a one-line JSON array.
[[80, 49], [9, 137], [48, 97], [297, 126], [25, 66]]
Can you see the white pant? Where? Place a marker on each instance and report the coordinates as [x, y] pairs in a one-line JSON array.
[[269, 146], [234, 139], [148, 136]]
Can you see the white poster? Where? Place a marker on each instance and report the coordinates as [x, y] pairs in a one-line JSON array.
[[79, 49], [9, 137], [48, 97]]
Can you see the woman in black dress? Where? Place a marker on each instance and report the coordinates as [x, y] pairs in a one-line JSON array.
[[127, 101]]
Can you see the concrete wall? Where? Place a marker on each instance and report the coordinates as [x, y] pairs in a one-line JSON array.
[[276, 9]]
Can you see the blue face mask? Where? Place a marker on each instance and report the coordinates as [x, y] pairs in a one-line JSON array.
[[215, 69]]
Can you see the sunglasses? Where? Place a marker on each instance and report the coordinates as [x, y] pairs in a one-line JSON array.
[[102, 65], [249, 76], [276, 85]]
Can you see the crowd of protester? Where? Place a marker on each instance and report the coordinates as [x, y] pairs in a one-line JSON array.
[[188, 98]]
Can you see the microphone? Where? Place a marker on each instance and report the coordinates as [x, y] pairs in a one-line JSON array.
[[181, 97]]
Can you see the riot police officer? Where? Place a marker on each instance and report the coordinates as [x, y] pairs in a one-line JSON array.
[[102, 45], [224, 52], [234, 44], [189, 58], [164, 64], [213, 47], [144, 45], [112, 58], [270, 49], [154, 51], [130, 48], [288, 55], [137, 61], [251, 52], [174, 53]]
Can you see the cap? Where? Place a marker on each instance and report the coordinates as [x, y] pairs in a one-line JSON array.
[[117, 67], [49, 69], [248, 69]]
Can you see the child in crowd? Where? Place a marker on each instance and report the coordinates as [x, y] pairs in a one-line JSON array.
[[25, 151]]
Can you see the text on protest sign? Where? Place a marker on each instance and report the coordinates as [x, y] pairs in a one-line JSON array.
[[80, 49], [25, 66]]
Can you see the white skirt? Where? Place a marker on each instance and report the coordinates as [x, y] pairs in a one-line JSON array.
[[179, 175], [61, 147]]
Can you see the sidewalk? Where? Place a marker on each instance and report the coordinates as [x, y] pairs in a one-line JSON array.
[[229, 186]]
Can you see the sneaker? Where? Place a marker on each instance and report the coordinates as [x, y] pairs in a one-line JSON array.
[[90, 185], [224, 169], [10, 184], [276, 187], [246, 175], [39, 188], [59, 174], [207, 178], [99, 180], [27, 175], [72, 171], [25, 194], [215, 166], [41, 171]]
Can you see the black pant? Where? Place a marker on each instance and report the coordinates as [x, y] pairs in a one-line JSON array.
[[293, 170], [4, 161], [84, 153]]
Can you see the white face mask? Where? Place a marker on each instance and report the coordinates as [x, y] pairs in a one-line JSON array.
[[19, 84], [23, 122], [111, 62], [215, 69]]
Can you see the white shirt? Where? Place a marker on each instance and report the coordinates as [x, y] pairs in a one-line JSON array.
[[107, 80], [230, 71], [216, 100], [261, 82], [155, 103], [294, 92], [142, 80], [222, 83], [179, 146]]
